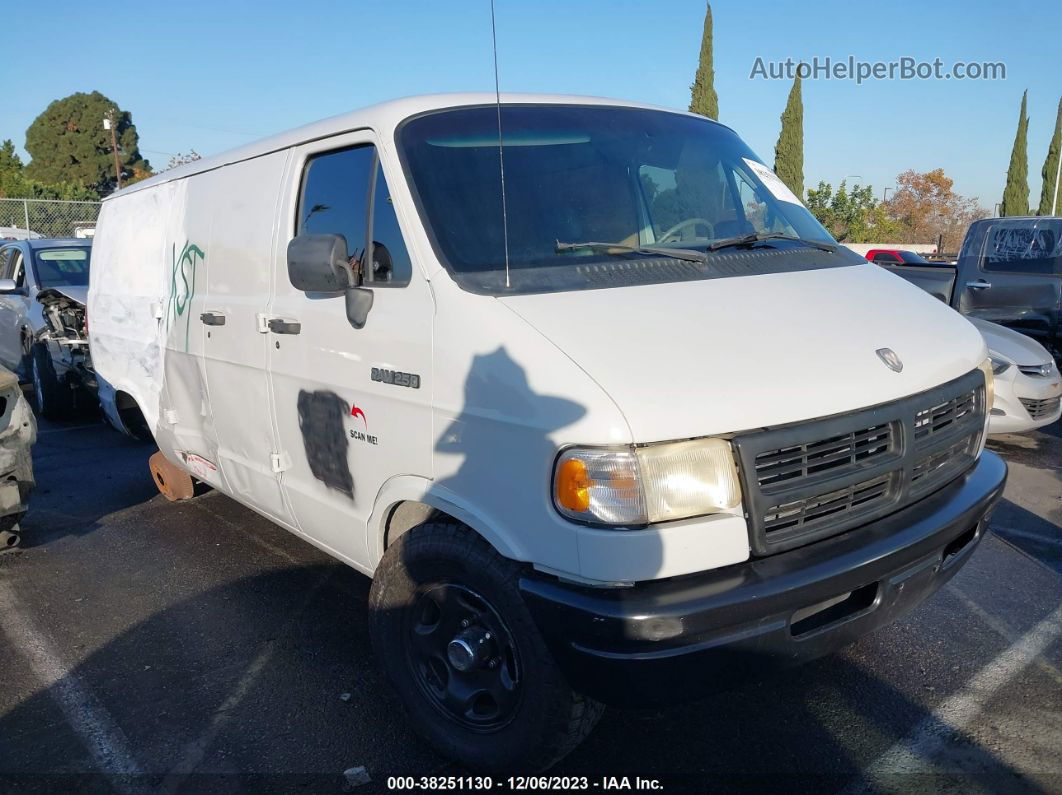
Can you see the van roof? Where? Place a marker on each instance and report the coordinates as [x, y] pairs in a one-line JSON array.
[[382, 117]]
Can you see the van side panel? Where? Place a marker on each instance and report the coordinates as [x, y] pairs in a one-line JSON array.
[[127, 290]]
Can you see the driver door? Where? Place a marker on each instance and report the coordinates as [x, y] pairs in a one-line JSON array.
[[344, 428]]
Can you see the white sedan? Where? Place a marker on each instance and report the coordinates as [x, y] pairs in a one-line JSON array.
[[1028, 384]]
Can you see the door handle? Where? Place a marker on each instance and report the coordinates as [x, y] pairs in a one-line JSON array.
[[212, 319], [980, 284], [280, 326]]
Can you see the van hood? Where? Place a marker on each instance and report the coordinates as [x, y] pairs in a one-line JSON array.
[[1011, 345], [725, 355]]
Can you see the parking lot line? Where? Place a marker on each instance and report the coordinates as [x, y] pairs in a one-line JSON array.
[[194, 753], [103, 738], [1004, 631], [1029, 536], [914, 753]]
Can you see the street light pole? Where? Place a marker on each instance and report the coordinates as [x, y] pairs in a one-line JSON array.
[[884, 194], [109, 123]]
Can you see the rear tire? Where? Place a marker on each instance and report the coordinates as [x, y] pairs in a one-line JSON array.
[[52, 399], [441, 584]]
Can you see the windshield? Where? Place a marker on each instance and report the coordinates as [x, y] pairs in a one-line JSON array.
[[1019, 245], [639, 179], [62, 267]]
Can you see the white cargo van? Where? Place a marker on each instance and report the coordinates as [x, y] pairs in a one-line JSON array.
[[616, 424]]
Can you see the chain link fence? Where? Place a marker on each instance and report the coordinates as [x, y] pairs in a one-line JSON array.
[[36, 218]]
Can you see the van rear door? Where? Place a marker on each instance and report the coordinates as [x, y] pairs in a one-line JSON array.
[[352, 405]]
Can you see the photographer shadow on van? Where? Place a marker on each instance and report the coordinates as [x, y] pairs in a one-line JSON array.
[[477, 678]]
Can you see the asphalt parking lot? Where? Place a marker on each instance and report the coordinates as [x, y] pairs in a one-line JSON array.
[[196, 646]]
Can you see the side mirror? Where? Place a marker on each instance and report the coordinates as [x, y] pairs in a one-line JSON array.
[[8, 286], [319, 263], [358, 303]]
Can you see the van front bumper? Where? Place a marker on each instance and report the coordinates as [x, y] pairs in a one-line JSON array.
[[670, 640]]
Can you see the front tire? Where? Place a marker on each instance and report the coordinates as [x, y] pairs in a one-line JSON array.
[[452, 634], [51, 398]]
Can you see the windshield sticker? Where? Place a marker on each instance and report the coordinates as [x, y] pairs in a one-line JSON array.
[[182, 286], [777, 188], [64, 254]]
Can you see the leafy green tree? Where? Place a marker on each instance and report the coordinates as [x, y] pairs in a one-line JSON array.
[[14, 184], [184, 158], [1048, 201], [9, 159], [789, 151], [1016, 192], [67, 143], [704, 100], [851, 216]]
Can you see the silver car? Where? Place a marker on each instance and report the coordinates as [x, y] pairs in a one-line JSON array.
[[43, 287]]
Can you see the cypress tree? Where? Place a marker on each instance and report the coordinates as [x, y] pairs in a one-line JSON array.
[[1016, 193], [789, 151], [1050, 170], [704, 100]]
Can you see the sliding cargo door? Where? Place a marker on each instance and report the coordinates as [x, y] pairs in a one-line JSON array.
[[243, 198]]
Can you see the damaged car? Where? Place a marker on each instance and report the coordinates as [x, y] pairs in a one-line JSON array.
[[43, 333], [18, 432]]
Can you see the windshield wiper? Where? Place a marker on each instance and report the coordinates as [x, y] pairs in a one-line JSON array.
[[687, 254], [747, 240]]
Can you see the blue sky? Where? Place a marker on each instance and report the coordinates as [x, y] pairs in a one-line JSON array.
[[212, 75]]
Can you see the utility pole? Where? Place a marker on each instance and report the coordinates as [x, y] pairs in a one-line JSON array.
[[109, 123]]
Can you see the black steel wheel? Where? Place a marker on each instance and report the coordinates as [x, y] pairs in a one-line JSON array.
[[452, 633], [463, 656]]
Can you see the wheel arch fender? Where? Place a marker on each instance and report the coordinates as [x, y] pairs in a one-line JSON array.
[[113, 396], [405, 501]]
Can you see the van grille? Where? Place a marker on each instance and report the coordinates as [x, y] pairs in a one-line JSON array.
[[810, 480], [1039, 409]]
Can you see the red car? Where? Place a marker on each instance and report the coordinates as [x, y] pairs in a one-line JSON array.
[[896, 256]]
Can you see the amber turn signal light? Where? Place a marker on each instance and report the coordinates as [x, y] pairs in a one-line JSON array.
[[573, 486]]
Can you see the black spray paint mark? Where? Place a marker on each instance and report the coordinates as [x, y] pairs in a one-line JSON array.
[[321, 420]]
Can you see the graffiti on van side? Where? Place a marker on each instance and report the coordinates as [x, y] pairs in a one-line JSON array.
[[182, 286]]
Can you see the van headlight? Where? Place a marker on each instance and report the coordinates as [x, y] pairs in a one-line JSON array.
[[988, 367], [999, 365], [643, 485]]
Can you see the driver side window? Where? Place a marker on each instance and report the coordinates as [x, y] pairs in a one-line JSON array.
[[344, 192]]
